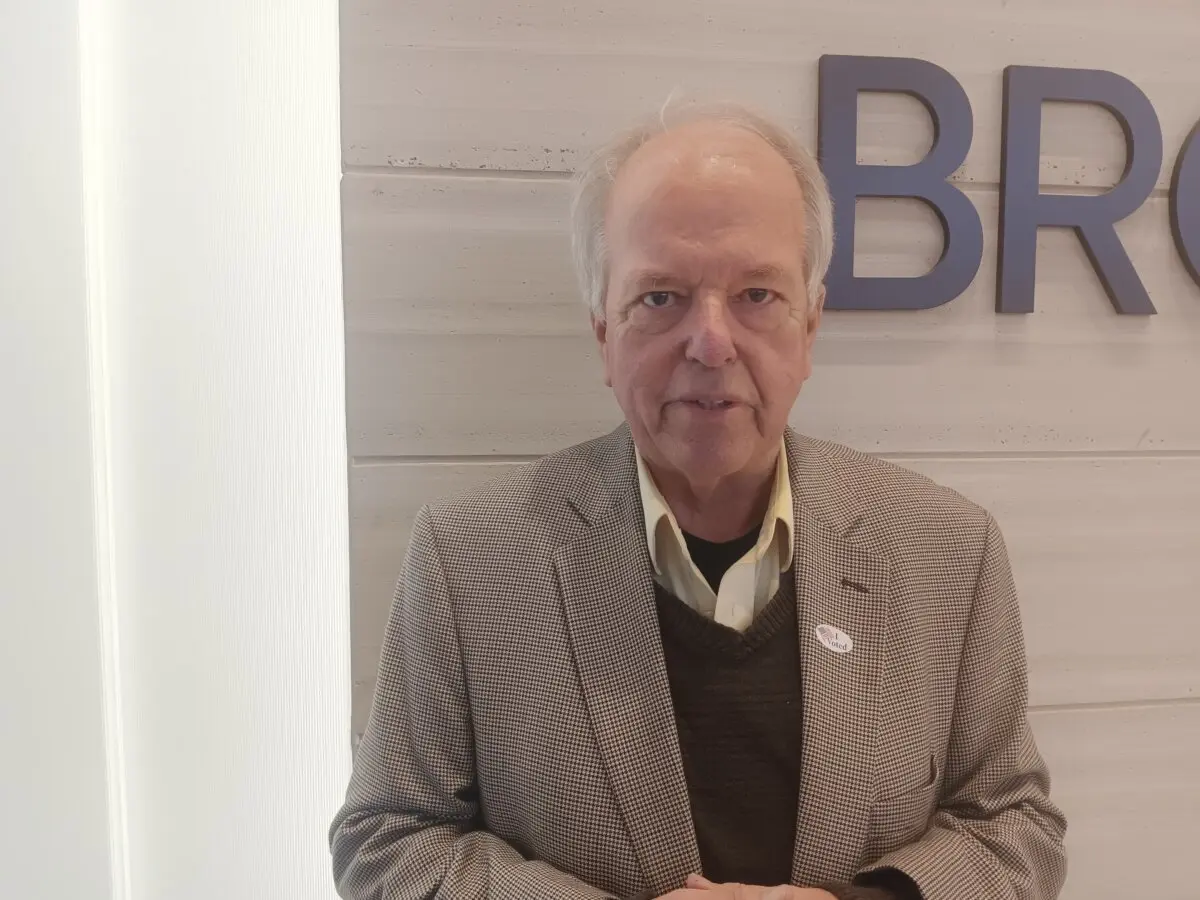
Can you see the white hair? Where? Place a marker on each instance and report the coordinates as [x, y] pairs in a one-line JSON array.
[[593, 183]]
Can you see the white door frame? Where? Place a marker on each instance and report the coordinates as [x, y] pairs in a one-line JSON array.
[[176, 641]]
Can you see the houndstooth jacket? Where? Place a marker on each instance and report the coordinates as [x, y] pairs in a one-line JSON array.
[[522, 744]]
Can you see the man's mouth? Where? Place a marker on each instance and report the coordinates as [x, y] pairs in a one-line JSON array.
[[711, 404]]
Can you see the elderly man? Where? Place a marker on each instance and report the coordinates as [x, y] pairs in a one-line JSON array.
[[703, 656]]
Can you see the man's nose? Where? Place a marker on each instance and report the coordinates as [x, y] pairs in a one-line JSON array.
[[710, 332]]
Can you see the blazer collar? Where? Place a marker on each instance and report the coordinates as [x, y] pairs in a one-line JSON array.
[[816, 488], [608, 479]]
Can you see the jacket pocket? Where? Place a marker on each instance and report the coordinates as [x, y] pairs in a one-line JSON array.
[[903, 818]]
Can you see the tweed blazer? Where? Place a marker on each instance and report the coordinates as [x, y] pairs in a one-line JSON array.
[[522, 743]]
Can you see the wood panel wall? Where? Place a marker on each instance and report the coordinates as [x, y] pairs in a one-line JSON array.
[[468, 350]]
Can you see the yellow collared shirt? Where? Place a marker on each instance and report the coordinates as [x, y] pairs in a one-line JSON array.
[[750, 583]]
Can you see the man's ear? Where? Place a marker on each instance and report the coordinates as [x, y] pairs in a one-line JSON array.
[[600, 330], [815, 308]]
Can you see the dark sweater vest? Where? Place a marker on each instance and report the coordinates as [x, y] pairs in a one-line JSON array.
[[738, 712]]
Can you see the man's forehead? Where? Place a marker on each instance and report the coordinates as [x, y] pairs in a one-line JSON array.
[[699, 150], [649, 274], [702, 146], [743, 234], [676, 182]]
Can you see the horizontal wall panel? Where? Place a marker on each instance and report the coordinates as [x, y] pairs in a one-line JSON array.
[[479, 394], [437, 254], [1106, 554], [465, 335], [1129, 782], [533, 87]]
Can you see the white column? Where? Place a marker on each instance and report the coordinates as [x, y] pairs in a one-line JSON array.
[[176, 627], [228, 448], [54, 825]]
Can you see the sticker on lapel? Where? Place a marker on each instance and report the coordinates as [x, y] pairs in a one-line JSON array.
[[835, 639]]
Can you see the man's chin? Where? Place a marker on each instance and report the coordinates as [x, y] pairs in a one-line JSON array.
[[711, 457]]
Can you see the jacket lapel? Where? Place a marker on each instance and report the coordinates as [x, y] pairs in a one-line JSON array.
[[839, 583], [608, 595]]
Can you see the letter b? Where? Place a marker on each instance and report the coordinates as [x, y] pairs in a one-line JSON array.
[[842, 78]]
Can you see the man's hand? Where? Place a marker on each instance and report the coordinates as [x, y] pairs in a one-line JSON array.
[[700, 888]]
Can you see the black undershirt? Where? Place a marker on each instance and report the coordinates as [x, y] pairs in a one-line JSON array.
[[714, 558]]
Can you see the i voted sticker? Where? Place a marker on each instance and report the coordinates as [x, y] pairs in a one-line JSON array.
[[835, 639]]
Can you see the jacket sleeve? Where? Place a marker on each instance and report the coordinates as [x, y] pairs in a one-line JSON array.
[[411, 827], [995, 834]]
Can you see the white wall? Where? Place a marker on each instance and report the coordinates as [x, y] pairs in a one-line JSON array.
[[52, 741], [175, 618], [468, 351]]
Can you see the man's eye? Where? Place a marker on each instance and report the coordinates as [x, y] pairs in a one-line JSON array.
[[658, 299], [759, 296]]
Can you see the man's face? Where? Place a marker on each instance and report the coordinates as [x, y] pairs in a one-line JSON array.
[[708, 333]]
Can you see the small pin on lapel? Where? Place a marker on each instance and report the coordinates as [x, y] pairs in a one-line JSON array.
[[835, 639]]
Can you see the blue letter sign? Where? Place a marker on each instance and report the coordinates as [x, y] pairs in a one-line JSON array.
[[1185, 204], [842, 78], [1023, 208]]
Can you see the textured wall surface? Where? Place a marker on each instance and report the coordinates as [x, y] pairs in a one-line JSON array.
[[468, 350]]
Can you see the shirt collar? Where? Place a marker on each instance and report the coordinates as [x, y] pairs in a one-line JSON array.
[[777, 524]]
